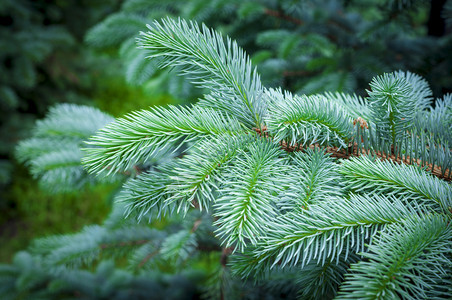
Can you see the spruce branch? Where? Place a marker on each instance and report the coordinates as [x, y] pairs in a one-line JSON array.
[[419, 148], [249, 192], [391, 105], [316, 179], [87, 246], [209, 62], [198, 174], [179, 246], [321, 281], [57, 168], [53, 153], [71, 121], [147, 195], [327, 230], [354, 105], [145, 256], [313, 281], [437, 122], [307, 120], [421, 94], [33, 147], [139, 135], [365, 174], [408, 260], [290, 214], [321, 179], [169, 249]]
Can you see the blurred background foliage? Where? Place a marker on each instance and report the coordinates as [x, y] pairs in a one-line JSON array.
[[303, 46], [45, 61], [84, 52]]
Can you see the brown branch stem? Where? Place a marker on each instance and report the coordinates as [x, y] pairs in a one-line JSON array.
[[347, 153]]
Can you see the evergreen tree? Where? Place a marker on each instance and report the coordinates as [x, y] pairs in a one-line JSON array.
[[277, 195]]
